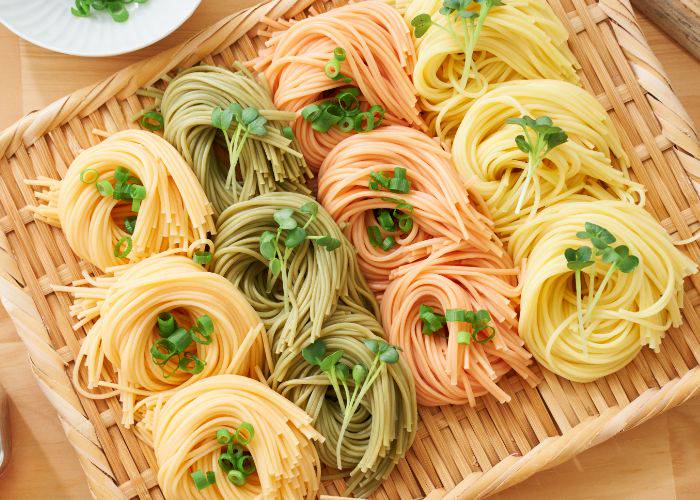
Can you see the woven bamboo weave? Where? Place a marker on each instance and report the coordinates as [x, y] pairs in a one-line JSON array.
[[459, 452]]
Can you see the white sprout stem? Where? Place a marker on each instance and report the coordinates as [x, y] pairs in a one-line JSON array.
[[599, 293]]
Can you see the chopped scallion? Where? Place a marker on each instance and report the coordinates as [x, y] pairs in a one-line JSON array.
[[202, 258], [118, 252], [89, 176]]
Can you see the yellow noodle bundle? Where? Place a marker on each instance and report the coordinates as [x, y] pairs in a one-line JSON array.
[[128, 303], [182, 430], [635, 308], [174, 213], [581, 169], [520, 39]]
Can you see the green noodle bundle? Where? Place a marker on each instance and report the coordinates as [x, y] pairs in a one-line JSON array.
[[267, 162], [317, 277], [320, 333], [382, 430]]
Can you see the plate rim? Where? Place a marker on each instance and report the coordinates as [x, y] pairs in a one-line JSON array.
[[79, 53]]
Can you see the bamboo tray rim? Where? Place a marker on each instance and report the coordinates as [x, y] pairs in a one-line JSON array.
[[49, 364]]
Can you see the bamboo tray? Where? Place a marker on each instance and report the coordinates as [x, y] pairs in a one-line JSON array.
[[459, 452]]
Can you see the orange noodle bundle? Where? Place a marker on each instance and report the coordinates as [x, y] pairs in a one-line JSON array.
[[442, 255], [440, 208], [379, 57], [447, 369]]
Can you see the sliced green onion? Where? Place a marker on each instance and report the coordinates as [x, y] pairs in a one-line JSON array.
[[104, 188], [205, 324], [432, 322], [364, 122], [388, 243], [487, 339], [118, 12], [117, 247], [166, 324], [180, 339], [122, 174], [464, 338], [339, 54], [202, 480], [332, 69], [236, 477], [130, 224], [190, 358], [288, 133], [246, 459], [159, 356], [311, 112], [377, 113], [240, 438], [227, 462], [375, 236], [405, 222], [202, 258], [386, 221], [152, 121], [453, 315], [399, 185], [378, 179], [223, 436], [347, 101], [89, 176], [235, 450], [137, 192], [346, 124]]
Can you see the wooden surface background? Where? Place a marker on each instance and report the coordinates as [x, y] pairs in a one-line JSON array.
[[658, 460]]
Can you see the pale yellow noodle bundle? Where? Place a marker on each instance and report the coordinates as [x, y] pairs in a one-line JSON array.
[[128, 303], [581, 169], [182, 430], [522, 39], [635, 309], [174, 214]]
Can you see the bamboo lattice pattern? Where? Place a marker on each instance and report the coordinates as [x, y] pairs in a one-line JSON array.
[[459, 452]]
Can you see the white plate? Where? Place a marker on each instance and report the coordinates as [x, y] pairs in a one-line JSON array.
[[50, 24]]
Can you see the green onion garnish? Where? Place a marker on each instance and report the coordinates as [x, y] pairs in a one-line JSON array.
[[152, 121], [202, 480], [166, 324], [115, 8], [130, 224], [202, 258], [122, 174], [89, 176], [364, 122], [104, 188], [223, 436], [118, 245], [288, 133], [332, 69], [339, 54], [432, 322], [347, 124], [240, 437], [386, 221], [190, 359], [137, 193], [246, 465], [311, 112], [388, 243], [236, 477], [464, 338]]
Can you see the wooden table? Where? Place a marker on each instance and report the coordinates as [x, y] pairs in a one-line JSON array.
[[657, 460]]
